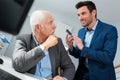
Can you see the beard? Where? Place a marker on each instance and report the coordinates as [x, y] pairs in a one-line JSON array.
[[86, 22]]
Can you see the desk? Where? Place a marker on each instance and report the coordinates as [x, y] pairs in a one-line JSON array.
[[7, 66]]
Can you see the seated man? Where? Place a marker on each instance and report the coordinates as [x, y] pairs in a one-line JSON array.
[[42, 53]]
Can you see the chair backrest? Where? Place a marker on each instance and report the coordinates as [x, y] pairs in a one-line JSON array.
[[117, 71]]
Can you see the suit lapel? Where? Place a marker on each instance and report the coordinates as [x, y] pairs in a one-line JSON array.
[[52, 59], [82, 36], [96, 33]]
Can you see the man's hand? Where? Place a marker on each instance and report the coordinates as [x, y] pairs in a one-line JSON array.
[[69, 41], [50, 79], [52, 40], [78, 42], [58, 78]]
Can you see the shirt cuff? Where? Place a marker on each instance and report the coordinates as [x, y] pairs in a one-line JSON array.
[[65, 78], [45, 51], [41, 47]]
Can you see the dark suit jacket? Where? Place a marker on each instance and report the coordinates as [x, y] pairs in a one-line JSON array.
[[27, 55], [100, 54]]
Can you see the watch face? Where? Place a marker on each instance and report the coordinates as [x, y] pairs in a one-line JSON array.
[[13, 14]]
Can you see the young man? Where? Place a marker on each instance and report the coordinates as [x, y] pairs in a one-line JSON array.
[[96, 45], [42, 53]]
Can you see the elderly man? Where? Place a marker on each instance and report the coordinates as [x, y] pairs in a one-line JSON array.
[[42, 53]]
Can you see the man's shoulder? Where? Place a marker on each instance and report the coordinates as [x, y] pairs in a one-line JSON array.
[[107, 28], [106, 25], [24, 37]]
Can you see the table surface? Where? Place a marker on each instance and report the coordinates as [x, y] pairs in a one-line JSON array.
[[7, 66]]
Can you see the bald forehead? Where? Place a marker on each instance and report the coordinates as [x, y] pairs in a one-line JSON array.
[[46, 14], [47, 17]]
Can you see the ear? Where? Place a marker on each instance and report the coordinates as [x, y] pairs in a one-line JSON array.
[[94, 12], [37, 26]]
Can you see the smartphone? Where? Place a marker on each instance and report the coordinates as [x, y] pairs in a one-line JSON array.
[[68, 32]]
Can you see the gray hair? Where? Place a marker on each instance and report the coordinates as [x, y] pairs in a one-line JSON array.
[[36, 18]]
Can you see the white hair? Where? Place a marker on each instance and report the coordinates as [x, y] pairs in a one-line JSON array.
[[36, 18]]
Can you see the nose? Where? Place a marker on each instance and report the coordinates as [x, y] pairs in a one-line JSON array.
[[54, 26]]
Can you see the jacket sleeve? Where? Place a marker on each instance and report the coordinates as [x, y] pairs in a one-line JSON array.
[[103, 49], [66, 64], [23, 58]]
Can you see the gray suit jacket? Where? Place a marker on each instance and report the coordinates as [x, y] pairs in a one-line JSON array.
[[26, 55]]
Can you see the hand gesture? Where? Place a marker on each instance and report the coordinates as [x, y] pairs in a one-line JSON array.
[[78, 42], [69, 41], [52, 40]]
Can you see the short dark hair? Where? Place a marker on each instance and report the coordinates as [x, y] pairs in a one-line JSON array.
[[90, 5]]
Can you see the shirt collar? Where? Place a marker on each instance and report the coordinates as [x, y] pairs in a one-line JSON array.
[[94, 27], [35, 39]]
